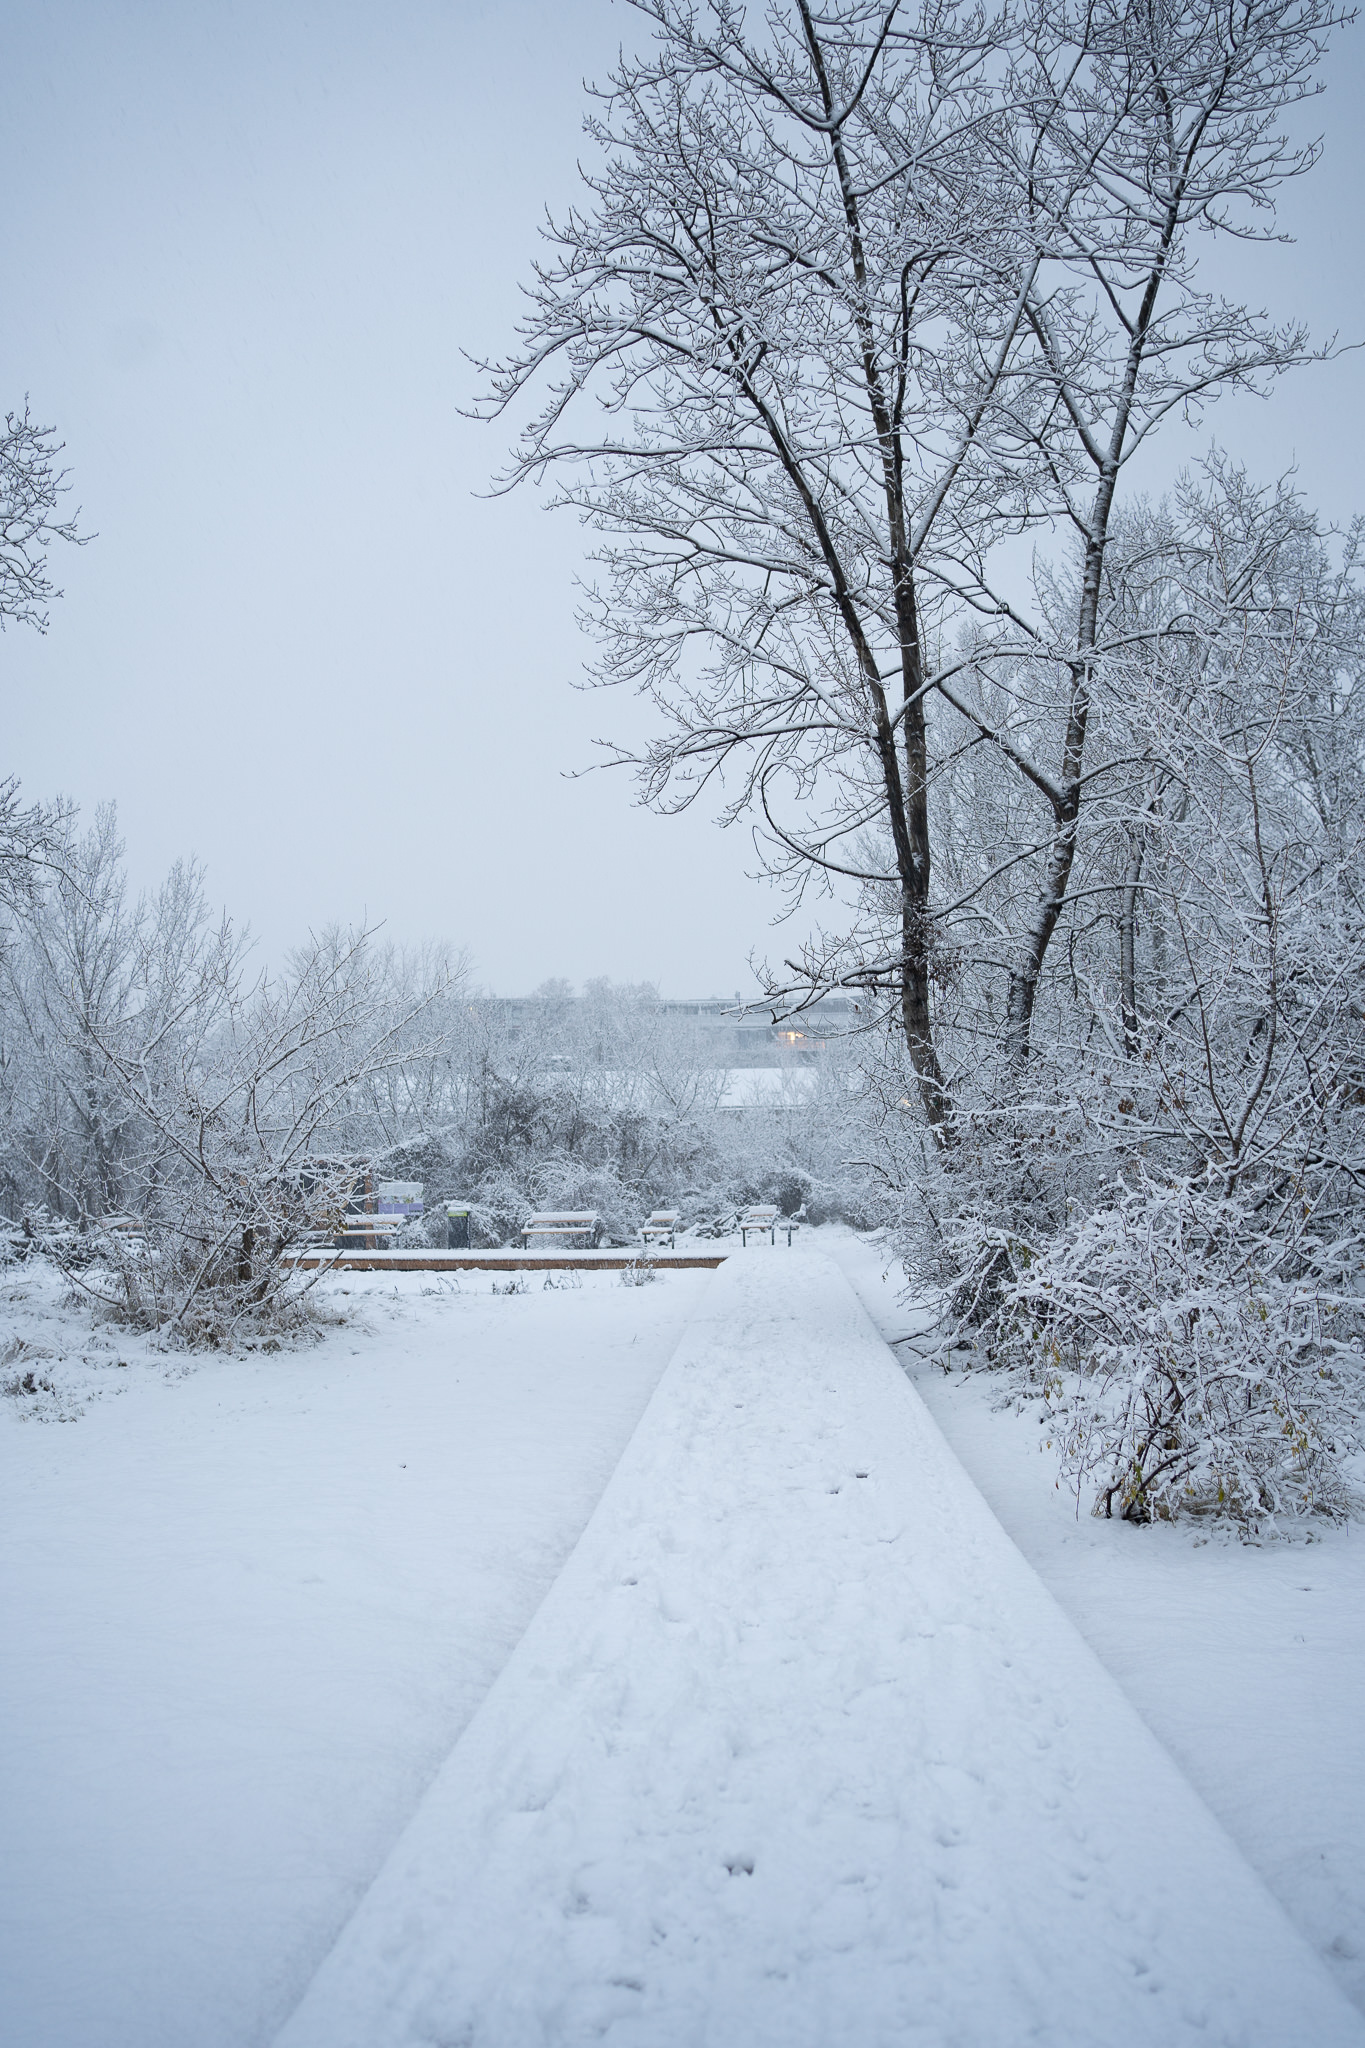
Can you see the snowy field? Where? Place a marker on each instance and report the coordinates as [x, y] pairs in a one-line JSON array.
[[272, 1634], [248, 1605]]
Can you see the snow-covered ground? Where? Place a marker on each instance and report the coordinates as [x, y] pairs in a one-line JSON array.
[[247, 1606], [1247, 1662], [799, 1751], [252, 1606]]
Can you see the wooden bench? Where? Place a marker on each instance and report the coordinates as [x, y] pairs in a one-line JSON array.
[[562, 1223], [662, 1223], [764, 1216]]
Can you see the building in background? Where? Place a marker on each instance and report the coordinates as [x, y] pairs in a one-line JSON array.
[[726, 1035]]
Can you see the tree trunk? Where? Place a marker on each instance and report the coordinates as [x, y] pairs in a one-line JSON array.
[[1128, 951], [906, 799], [1023, 989]]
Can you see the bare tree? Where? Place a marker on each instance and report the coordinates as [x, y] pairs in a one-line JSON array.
[[796, 300], [244, 1088], [151, 1078], [31, 488], [1165, 1236], [860, 295], [75, 974], [1138, 130], [30, 837]]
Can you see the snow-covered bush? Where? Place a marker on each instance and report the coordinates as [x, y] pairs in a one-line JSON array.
[[1195, 1349], [639, 1273], [175, 1121], [1158, 1216]]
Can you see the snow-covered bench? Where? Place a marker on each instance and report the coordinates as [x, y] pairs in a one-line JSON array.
[[363, 1230], [662, 1223], [562, 1223], [763, 1216]]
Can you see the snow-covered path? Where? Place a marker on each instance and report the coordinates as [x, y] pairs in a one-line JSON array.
[[799, 1752]]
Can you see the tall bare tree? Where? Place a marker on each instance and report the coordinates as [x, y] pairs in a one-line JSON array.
[[860, 295], [796, 304], [1139, 129]]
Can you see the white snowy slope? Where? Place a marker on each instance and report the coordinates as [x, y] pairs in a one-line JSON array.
[[798, 1751]]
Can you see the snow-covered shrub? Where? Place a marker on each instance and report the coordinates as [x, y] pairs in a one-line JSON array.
[[1196, 1349], [215, 1107], [1155, 1216], [426, 1232]]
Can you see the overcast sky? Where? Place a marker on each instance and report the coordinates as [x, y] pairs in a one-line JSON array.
[[246, 245]]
